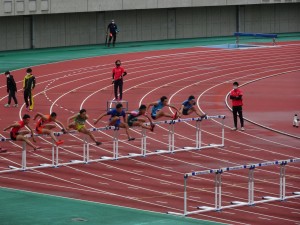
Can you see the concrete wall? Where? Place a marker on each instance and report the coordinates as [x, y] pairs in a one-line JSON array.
[[270, 18], [34, 7], [53, 30]]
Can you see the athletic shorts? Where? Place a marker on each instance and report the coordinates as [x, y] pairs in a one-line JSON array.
[[13, 136], [78, 127], [185, 112], [117, 123], [131, 121], [39, 130]]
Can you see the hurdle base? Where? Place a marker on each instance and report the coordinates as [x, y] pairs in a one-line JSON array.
[[76, 161], [47, 165], [191, 148], [206, 208], [238, 203], [162, 151], [14, 168], [269, 198], [134, 154], [175, 214], [296, 193], [108, 158]]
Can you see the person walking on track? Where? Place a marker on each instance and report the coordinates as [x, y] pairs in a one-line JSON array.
[[28, 86], [156, 111], [236, 95], [188, 107], [79, 124], [115, 120], [11, 89], [17, 135], [112, 30], [117, 79], [42, 126]]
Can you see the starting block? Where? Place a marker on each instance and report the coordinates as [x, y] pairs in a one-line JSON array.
[[111, 104]]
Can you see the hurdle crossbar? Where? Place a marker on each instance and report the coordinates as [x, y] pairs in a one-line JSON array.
[[218, 191]]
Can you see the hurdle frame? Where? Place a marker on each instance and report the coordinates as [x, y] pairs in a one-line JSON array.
[[218, 191], [238, 34], [86, 145]]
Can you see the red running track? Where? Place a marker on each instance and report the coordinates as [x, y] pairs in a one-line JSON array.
[[156, 182]]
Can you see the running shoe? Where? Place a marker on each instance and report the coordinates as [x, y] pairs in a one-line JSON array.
[[7, 105], [174, 116], [59, 142], [242, 129], [16, 105], [234, 129], [152, 127], [98, 143], [131, 139], [203, 116], [3, 150], [36, 148]]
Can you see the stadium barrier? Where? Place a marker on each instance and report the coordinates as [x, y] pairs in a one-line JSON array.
[[261, 35], [115, 156], [218, 187]]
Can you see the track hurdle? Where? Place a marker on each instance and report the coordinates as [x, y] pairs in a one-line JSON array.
[[55, 152], [86, 146], [218, 187], [171, 135], [261, 35], [86, 150]]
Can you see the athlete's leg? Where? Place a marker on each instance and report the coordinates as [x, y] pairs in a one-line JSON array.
[[31, 101], [125, 125], [20, 137], [89, 133]]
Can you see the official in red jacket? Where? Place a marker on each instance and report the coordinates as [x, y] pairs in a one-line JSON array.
[[236, 95], [117, 78]]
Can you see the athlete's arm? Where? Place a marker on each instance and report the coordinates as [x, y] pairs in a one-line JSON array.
[[100, 117], [173, 107], [61, 124], [33, 82], [181, 109], [11, 126], [151, 104], [71, 118], [39, 115]]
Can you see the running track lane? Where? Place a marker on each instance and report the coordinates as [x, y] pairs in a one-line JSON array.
[[155, 183]]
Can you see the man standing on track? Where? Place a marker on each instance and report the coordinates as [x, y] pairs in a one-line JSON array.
[[117, 79], [156, 111], [11, 89], [17, 135], [236, 95], [42, 126], [28, 86], [112, 30]]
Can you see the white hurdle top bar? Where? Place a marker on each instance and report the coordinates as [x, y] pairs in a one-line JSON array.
[[249, 166]]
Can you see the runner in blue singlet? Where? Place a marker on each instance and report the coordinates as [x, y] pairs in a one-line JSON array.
[[156, 111]]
